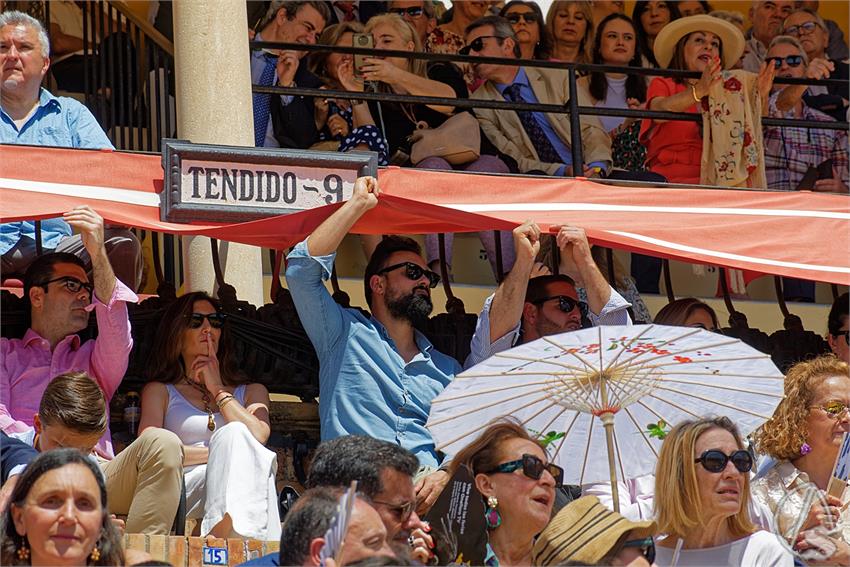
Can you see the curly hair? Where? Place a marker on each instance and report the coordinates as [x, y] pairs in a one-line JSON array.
[[785, 432]]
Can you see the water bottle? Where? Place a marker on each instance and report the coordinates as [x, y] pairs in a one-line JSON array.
[[132, 413]]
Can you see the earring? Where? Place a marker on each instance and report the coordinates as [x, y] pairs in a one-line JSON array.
[[95, 555], [23, 551], [805, 449], [491, 514]]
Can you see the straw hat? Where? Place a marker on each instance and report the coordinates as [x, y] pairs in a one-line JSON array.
[[585, 531], [730, 36]]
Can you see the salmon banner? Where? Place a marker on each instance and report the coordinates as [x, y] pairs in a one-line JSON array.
[[795, 233]]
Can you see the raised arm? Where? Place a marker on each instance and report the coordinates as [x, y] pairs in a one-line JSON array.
[[328, 236], [508, 301], [378, 69], [90, 226], [577, 262]]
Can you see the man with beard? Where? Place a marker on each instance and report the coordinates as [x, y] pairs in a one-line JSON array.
[[377, 374], [524, 309]]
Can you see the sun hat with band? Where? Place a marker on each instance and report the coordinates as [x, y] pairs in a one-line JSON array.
[[585, 531], [730, 36]]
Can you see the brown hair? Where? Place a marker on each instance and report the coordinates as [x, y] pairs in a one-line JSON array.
[[678, 509], [484, 453], [75, 401], [586, 9], [317, 60], [785, 432], [415, 66], [678, 59], [677, 312]]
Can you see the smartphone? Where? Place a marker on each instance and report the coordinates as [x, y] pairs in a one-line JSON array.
[[365, 41]]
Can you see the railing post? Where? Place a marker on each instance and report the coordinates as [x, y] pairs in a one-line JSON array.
[[575, 123]]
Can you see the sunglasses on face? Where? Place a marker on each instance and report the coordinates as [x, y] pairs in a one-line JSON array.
[[413, 12], [646, 547], [476, 44], [791, 60], [197, 319], [808, 27], [845, 334], [565, 303], [401, 511], [715, 460], [527, 17], [414, 272], [71, 284], [532, 467], [834, 408]]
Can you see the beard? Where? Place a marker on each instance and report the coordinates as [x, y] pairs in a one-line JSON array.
[[414, 308]]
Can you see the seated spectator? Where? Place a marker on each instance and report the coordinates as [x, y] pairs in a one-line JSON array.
[[29, 531], [517, 482], [386, 479], [302, 537], [377, 374], [354, 11], [649, 18], [688, 312], [539, 143], [450, 36], [345, 124], [837, 50], [838, 327], [282, 120], [33, 116], [15, 455], [766, 17], [61, 298], [693, 7], [570, 23], [143, 481], [222, 419], [587, 532], [420, 14], [702, 488], [804, 438], [604, 8], [733, 17], [522, 309], [527, 20]]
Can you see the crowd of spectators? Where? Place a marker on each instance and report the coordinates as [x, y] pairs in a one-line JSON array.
[[204, 424]]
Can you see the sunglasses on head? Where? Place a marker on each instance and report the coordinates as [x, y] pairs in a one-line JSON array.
[[413, 12], [565, 303], [834, 408], [715, 460], [476, 44], [808, 27], [646, 547], [414, 272], [197, 319], [532, 467], [71, 284], [791, 60], [527, 17]]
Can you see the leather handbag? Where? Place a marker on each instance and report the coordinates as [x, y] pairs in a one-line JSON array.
[[457, 140]]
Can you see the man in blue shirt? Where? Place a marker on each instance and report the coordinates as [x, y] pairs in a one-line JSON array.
[[378, 374], [30, 115]]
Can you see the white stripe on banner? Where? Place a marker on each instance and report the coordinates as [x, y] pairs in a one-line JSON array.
[[114, 194], [728, 256], [573, 207]]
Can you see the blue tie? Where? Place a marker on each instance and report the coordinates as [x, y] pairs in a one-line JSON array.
[[545, 150], [262, 102]]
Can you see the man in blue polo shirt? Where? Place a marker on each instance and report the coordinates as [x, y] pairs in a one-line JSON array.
[[30, 115]]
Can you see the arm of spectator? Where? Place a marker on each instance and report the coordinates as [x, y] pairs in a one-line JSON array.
[[287, 66], [595, 141], [481, 347], [360, 113], [14, 456], [577, 263], [8, 424], [87, 133], [635, 504], [790, 95], [62, 43], [764, 82], [383, 70], [154, 406], [489, 125], [682, 101], [509, 299]]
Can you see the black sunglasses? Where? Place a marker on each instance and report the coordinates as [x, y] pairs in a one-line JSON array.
[[197, 319], [71, 284], [413, 12], [414, 272], [565, 304], [845, 334], [532, 467], [476, 44], [528, 17], [715, 460], [792, 60], [646, 547]]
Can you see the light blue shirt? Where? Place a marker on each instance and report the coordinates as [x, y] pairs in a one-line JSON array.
[[258, 63], [526, 93], [60, 122], [365, 386]]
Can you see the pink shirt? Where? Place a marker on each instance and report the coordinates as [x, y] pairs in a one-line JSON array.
[[28, 365]]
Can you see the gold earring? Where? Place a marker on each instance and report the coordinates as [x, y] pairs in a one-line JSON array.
[[23, 551], [95, 555]]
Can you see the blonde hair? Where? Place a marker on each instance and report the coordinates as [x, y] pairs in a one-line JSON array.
[[585, 7], [415, 66], [785, 432], [678, 507]]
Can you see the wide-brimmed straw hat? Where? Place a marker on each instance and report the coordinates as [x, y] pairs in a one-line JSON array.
[[585, 531], [730, 36]]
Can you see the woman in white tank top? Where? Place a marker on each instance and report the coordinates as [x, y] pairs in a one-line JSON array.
[[197, 392]]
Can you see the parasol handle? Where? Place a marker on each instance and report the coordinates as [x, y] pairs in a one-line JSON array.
[[608, 422]]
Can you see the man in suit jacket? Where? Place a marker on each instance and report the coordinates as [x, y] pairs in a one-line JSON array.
[[539, 142]]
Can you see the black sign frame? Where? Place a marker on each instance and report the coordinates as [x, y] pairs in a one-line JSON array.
[[173, 209]]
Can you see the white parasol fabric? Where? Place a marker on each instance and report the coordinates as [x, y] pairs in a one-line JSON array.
[[562, 387]]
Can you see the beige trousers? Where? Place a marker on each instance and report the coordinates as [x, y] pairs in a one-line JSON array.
[[144, 481]]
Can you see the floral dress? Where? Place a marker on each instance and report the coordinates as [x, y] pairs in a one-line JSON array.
[[368, 135]]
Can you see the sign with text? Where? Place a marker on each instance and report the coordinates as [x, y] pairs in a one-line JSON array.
[[236, 184]]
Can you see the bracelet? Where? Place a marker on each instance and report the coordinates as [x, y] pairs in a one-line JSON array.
[[223, 401], [694, 93]]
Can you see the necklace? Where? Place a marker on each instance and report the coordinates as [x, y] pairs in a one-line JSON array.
[[205, 397]]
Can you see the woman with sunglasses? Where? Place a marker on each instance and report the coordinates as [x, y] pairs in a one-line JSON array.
[[803, 439], [514, 476], [702, 500], [527, 20], [196, 391]]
